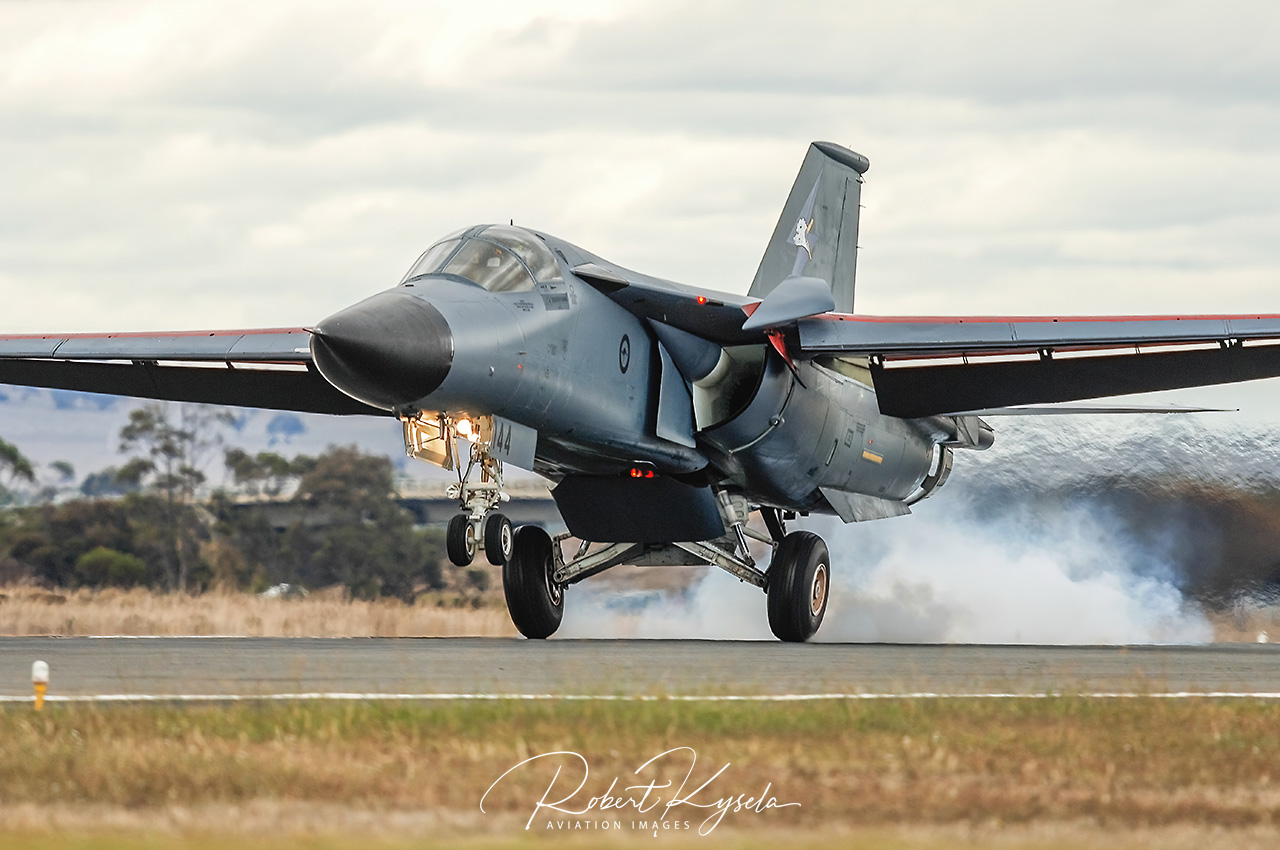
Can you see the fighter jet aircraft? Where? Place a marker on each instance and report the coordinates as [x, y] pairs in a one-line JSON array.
[[667, 416]]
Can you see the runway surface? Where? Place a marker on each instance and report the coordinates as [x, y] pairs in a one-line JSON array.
[[488, 666]]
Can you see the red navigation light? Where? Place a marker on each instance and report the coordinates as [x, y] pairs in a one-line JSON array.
[[637, 472], [702, 299]]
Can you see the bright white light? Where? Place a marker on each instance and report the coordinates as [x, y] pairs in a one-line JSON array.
[[464, 427]]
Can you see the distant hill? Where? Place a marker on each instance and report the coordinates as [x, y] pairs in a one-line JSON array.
[[84, 428]]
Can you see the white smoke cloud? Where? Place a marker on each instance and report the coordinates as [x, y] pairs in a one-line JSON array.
[[982, 562], [935, 580], [716, 607], [1075, 580]]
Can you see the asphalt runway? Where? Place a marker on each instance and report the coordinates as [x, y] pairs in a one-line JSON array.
[[491, 666]]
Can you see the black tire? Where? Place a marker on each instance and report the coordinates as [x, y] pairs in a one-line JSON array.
[[498, 538], [798, 584], [460, 540], [534, 601]]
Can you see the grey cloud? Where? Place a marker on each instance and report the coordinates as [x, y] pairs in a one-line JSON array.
[[998, 51], [261, 165]]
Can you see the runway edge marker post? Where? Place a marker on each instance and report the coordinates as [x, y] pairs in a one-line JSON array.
[[40, 679]]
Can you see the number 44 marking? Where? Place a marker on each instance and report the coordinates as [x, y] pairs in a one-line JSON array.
[[501, 436], [513, 443]]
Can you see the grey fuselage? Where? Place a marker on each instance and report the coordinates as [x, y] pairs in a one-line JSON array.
[[566, 360]]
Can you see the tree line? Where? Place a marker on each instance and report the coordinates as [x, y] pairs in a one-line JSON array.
[[151, 521]]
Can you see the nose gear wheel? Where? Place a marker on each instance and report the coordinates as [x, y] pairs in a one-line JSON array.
[[460, 540], [498, 538]]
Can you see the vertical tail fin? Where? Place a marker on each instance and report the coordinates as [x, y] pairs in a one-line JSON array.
[[817, 235]]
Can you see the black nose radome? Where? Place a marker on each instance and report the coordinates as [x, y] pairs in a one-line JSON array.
[[387, 351]]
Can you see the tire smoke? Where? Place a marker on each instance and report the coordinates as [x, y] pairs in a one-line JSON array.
[[1090, 529]]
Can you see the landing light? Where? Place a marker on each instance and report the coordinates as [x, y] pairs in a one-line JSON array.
[[464, 427]]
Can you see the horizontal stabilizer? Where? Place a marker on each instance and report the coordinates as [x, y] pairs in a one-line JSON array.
[[795, 298]]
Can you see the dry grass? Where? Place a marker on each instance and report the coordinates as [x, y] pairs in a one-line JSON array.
[[1119, 762], [1054, 773], [32, 611], [28, 610], [206, 829]]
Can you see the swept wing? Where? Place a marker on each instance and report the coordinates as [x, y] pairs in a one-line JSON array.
[[923, 366], [926, 365], [267, 368]]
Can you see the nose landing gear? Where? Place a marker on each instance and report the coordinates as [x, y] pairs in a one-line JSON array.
[[499, 540], [480, 526], [460, 540]]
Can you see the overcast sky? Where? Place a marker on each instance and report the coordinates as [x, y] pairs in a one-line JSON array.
[[174, 165], [241, 164]]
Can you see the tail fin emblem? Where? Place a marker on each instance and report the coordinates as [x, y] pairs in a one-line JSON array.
[[801, 236], [804, 226]]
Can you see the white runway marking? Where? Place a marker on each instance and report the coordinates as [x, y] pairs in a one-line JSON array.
[[162, 637], [70, 698]]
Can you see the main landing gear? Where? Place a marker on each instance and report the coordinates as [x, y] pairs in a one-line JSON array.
[[797, 583], [535, 572], [535, 599]]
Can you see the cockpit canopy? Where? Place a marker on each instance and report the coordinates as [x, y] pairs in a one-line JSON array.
[[497, 257]]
